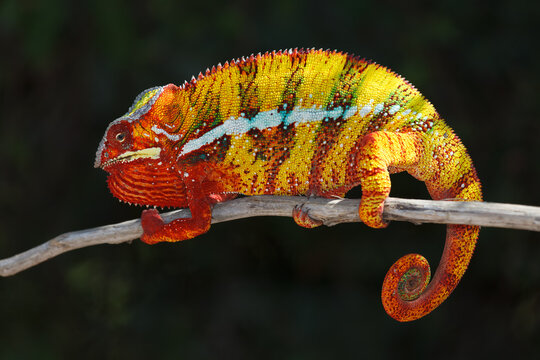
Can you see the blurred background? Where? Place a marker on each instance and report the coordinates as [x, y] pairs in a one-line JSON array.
[[261, 287]]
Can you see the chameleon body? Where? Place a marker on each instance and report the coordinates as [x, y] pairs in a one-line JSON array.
[[292, 122]]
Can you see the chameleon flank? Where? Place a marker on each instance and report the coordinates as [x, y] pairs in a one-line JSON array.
[[293, 122]]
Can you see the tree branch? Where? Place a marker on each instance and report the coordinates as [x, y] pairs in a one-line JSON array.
[[330, 211]]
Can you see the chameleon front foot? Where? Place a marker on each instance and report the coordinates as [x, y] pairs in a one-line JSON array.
[[151, 223], [155, 230]]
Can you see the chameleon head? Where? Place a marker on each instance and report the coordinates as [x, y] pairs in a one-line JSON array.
[[122, 140], [120, 145], [135, 151]]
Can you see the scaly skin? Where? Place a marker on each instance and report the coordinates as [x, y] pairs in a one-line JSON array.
[[306, 122]]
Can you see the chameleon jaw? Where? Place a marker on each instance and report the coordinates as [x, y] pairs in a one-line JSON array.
[[128, 156]]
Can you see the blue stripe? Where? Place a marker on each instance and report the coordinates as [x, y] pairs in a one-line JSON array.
[[265, 120]]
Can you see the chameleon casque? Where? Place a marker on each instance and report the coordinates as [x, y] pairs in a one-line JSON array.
[[293, 122]]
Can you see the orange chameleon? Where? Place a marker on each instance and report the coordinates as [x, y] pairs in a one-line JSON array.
[[293, 122]]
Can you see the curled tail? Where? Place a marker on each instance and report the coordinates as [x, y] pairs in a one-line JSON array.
[[407, 292]]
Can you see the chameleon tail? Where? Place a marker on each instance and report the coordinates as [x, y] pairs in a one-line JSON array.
[[407, 293]]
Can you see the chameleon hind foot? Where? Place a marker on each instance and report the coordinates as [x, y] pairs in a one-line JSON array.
[[302, 218], [371, 212], [379, 151]]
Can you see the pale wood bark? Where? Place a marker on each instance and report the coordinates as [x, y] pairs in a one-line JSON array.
[[330, 211]]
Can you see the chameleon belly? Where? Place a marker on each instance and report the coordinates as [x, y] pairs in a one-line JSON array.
[[294, 122]]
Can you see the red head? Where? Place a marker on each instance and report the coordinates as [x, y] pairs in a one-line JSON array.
[[138, 150]]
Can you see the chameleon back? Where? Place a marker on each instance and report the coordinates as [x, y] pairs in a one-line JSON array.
[[291, 123]]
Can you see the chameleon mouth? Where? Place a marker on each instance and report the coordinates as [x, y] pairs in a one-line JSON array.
[[128, 156]]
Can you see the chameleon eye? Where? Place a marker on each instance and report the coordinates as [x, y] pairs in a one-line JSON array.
[[121, 136]]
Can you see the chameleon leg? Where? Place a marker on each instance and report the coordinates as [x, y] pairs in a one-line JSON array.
[[443, 164], [155, 230], [380, 150]]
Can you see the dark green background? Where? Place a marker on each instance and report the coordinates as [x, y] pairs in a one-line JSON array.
[[262, 287]]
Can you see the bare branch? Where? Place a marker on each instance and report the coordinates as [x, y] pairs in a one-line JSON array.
[[330, 211]]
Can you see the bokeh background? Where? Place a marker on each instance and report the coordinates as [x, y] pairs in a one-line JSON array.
[[261, 287]]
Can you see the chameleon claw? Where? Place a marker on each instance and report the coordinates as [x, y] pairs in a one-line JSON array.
[[302, 218], [151, 223]]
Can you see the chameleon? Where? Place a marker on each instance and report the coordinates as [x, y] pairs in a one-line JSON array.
[[294, 122]]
